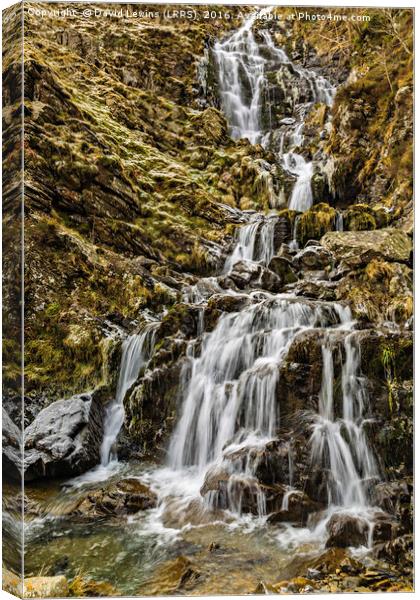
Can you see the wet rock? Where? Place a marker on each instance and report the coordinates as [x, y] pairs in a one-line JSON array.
[[181, 320], [320, 290], [269, 281], [296, 508], [300, 376], [385, 528], [320, 190], [65, 438], [283, 268], [243, 273], [313, 258], [396, 498], [12, 448], [180, 512], [213, 478], [345, 530], [398, 552], [251, 275], [126, 497], [272, 462], [228, 302], [45, 587], [285, 252]]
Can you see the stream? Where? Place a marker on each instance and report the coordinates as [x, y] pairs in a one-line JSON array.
[[211, 506]]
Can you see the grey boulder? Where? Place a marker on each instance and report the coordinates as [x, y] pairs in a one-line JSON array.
[[65, 438]]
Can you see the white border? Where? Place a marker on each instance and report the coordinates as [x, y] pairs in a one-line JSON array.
[[347, 3]]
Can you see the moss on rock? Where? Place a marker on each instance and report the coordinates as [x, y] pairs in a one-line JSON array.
[[315, 222]]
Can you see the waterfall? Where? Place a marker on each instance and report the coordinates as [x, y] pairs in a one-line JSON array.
[[241, 82], [229, 394], [255, 242], [230, 397], [301, 197], [242, 65], [340, 443], [136, 351]]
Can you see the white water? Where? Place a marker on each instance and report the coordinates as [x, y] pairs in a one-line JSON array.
[[255, 242], [339, 441], [301, 197], [230, 402], [229, 397], [242, 66], [241, 82], [136, 350]]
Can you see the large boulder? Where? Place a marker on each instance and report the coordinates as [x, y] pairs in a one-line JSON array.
[[12, 448], [65, 438], [358, 248]]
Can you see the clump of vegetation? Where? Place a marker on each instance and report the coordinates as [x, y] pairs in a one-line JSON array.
[[359, 217], [315, 222], [81, 586]]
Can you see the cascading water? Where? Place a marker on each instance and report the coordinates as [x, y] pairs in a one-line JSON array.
[[230, 397], [255, 242], [241, 82], [340, 441], [301, 197], [136, 351], [242, 66]]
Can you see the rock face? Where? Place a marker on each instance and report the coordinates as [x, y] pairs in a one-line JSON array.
[[134, 212], [65, 438]]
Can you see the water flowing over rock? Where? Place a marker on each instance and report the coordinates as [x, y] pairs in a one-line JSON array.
[[244, 67], [341, 443], [136, 351]]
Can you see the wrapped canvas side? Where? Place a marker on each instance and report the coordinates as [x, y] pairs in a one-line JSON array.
[[13, 235]]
